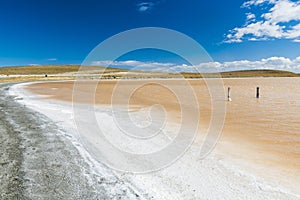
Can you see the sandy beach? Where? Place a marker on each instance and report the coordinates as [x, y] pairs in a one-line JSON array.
[[259, 148]]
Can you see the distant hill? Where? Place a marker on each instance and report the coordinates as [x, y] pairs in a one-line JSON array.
[[26, 70], [247, 73], [43, 69], [118, 73], [259, 73]]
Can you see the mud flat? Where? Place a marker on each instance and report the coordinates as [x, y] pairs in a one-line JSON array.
[[257, 156]]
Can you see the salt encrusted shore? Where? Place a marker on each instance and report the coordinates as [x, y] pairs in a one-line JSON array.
[[38, 159], [55, 164]]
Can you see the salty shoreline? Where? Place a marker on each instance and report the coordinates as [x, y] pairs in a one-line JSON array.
[[38, 160], [205, 167]]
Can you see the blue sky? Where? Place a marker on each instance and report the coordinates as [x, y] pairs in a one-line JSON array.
[[236, 34]]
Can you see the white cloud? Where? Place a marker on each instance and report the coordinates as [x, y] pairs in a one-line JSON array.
[[145, 6], [297, 60], [134, 64], [52, 59], [247, 4], [258, 30], [277, 63], [280, 21], [283, 11], [294, 32], [250, 17]]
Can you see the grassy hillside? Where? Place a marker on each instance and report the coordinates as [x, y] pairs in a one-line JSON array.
[[259, 73], [52, 70], [247, 73], [46, 69]]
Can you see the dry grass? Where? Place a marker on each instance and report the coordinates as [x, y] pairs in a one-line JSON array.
[[246, 73], [68, 72], [259, 73], [52, 69], [27, 70]]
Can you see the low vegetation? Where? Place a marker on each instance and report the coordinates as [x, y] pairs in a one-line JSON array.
[[259, 73], [52, 69], [68, 72], [244, 74], [27, 70]]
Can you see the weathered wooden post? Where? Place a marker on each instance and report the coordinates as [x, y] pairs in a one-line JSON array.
[[228, 97], [257, 92]]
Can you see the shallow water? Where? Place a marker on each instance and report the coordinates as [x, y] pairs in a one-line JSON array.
[[261, 134], [273, 119]]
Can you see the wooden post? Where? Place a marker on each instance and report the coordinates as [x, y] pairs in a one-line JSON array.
[[228, 97], [257, 92]]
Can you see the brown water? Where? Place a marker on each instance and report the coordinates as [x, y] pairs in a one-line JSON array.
[[267, 130], [262, 135], [273, 119]]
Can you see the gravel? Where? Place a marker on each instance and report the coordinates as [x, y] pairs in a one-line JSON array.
[[37, 162]]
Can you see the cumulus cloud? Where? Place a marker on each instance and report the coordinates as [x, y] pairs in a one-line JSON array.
[[281, 20], [149, 66], [277, 63], [134, 64]]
